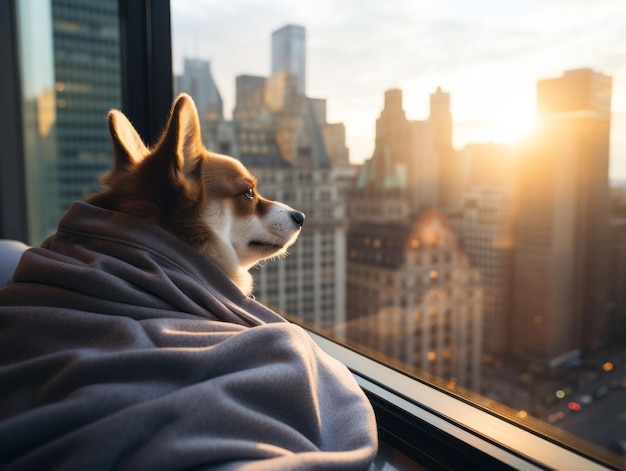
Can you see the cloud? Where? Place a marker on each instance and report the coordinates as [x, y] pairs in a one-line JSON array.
[[488, 55]]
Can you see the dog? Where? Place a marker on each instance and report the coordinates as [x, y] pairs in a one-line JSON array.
[[209, 200]]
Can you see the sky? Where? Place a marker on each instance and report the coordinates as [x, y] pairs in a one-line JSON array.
[[488, 55]]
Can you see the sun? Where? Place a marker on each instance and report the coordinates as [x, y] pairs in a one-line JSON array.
[[509, 128]]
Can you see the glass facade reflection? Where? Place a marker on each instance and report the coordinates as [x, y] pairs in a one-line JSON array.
[[71, 76]]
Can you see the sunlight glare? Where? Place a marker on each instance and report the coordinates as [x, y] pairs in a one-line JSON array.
[[509, 129]]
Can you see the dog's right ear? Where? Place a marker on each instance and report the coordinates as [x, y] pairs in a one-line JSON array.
[[128, 147]]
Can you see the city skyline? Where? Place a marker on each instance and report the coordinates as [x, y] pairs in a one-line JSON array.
[[489, 58], [431, 290]]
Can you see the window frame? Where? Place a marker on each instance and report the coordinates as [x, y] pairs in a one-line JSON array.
[[146, 42], [13, 221]]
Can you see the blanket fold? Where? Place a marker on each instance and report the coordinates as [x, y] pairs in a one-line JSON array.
[[123, 348]]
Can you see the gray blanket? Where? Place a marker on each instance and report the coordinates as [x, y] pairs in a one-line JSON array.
[[123, 348]]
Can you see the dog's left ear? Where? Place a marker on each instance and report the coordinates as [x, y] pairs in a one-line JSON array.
[[128, 147], [182, 140]]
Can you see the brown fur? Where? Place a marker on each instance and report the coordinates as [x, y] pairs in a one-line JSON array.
[[181, 186]]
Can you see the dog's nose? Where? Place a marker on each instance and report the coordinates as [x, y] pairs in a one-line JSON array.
[[298, 217]]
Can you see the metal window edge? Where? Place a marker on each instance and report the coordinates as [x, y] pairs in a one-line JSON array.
[[504, 441]]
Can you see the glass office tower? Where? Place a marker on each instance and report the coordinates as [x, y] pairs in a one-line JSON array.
[[69, 84], [289, 54]]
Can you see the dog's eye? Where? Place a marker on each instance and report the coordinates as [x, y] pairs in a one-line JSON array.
[[249, 193]]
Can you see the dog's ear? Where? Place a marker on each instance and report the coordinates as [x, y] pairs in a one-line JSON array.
[[182, 140], [128, 147]]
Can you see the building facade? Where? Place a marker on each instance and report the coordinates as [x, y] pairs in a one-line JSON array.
[[289, 53], [412, 293], [617, 265], [310, 283], [413, 296], [299, 158], [487, 235], [70, 84], [560, 276], [449, 163], [487, 228], [197, 81], [423, 148]]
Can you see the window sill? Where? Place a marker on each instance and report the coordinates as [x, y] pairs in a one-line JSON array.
[[438, 430]]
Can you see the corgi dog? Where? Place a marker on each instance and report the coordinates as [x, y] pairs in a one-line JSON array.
[[207, 199]]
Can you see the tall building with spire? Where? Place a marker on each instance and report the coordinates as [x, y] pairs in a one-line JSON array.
[[299, 158], [289, 53], [560, 262]]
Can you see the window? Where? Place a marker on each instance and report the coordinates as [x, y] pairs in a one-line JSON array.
[[446, 241], [445, 120], [70, 62]]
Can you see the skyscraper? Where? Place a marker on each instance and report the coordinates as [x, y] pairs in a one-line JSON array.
[[401, 145], [411, 292], [413, 295], [449, 182], [487, 234], [393, 134], [299, 158], [560, 271], [67, 143], [424, 149], [289, 53], [197, 80]]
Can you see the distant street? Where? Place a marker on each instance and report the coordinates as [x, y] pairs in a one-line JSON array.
[[600, 422]]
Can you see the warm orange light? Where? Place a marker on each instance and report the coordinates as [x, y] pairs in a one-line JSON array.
[[509, 131], [431, 238], [433, 274], [432, 356], [608, 366], [522, 414], [510, 123]]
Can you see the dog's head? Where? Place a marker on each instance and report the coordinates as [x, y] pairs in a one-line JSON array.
[[207, 199]]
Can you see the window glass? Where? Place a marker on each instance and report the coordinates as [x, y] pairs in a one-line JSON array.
[[463, 177], [69, 54], [463, 182], [460, 166]]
